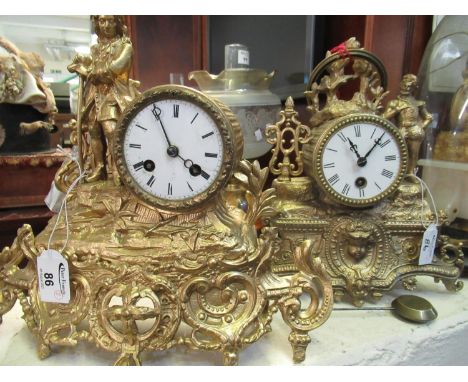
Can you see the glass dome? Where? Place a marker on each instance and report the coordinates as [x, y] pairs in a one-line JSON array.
[[443, 80]]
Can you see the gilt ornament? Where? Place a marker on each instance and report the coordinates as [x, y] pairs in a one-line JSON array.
[[152, 268], [353, 199]]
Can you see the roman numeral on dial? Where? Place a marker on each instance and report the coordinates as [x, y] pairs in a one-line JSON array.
[[390, 157], [388, 174], [345, 189], [150, 181], [334, 179], [135, 145], [361, 193], [329, 165], [357, 130], [383, 144], [211, 155], [141, 127], [342, 137], [207, 135], [205, 175], [176, 111], [196, 115], [138, 166], [169, 188]]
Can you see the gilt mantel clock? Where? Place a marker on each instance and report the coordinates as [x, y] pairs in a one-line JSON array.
[[170, 240], [343, 183], [359, 161]]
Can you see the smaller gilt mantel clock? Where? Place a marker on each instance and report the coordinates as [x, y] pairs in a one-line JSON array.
[[343, 182], [358, 161], [173, 238]]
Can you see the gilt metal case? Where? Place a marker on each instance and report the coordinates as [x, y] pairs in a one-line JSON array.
[[365, 251]]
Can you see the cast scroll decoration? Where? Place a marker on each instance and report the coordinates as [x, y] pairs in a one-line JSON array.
[[221, 311], [309, 299], [288, 134], [134, 313]]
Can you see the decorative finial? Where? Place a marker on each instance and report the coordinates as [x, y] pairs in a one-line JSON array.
[[288, 135]]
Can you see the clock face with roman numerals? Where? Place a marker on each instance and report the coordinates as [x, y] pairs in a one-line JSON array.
[[176, 147], [361, 160]]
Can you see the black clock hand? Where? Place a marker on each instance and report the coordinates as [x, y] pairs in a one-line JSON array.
[[376, 142], [354, 148], [362, 161], [157, 114], [193, 168]]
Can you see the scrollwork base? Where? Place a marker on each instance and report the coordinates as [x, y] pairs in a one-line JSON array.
[[125, 308], [365, 256]]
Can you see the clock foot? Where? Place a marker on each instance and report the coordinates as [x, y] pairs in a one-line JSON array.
[[453, 285], [338, 295], [299, 342], [230, 358], [43, 350], [409, 283], [128, 359]]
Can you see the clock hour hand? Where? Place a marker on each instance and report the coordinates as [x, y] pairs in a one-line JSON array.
[[362, 161], [376, 142], [193, 168], [172, 150]]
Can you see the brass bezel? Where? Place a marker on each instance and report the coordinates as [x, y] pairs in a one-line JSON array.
[[337, 125], [226, 123]]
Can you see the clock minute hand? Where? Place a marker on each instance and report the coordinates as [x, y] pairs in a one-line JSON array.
[[376, 142], [157, 114]]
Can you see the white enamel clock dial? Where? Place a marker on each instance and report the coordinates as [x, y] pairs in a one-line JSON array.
[[176, 147], [192, 134], [362, 160]]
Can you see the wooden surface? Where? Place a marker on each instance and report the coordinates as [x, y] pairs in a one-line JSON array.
[[26, 179], [179, 44], [399, 41], [12, 219], [166, 44], [24, 183]]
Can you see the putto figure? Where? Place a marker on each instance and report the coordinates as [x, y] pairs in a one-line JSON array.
[[411, 117], [106, 91]]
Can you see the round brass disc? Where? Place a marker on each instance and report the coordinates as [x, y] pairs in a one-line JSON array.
[[414, 308]]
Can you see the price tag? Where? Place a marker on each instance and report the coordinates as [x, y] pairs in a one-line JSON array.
[[53, 277], [54, 198], [258, 135], [428, 245], [243, 57]]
